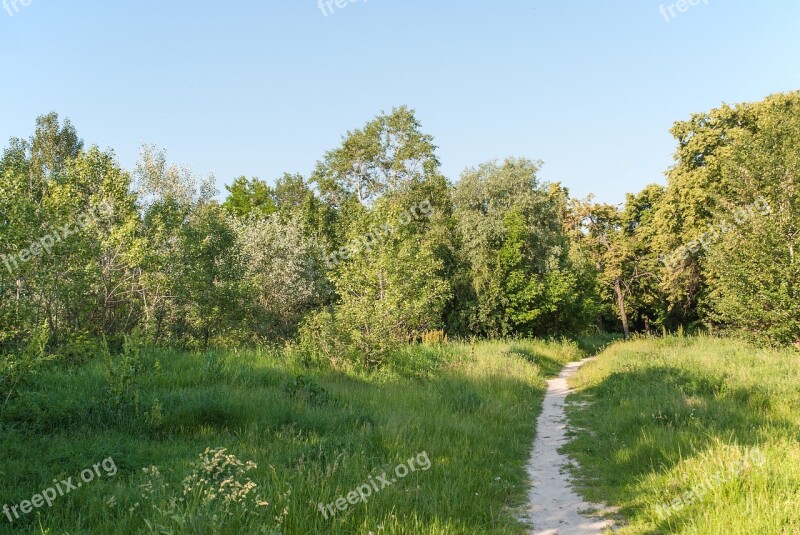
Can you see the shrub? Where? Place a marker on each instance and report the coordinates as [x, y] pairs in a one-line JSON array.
[[123, 373], [303, 388], [16, 369], [434, 338], [321, 337], [340, 340], [80, 350]]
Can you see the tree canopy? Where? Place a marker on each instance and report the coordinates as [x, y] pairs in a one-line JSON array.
[[376, 247]]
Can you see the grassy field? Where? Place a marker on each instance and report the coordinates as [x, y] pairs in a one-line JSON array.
[[691, 436], [150, 425]]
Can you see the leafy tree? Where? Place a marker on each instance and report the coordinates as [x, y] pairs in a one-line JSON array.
[[512, 240], [692, 200], [64, 263], [647, 302], [618, 242], [250, 197], [754, 268], [396, 284], [284, 274], [166, 196], [297, 203], [207, 287], [387, 154], [390, 290], [52, 146]]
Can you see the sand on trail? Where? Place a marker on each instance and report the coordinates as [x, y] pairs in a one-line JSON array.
[[553, 506]]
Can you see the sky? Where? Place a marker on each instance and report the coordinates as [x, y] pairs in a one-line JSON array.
[[259, 88]]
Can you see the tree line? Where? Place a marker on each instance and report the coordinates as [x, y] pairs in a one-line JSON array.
[[377, 248]]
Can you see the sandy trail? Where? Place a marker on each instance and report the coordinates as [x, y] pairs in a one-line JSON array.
[[553, 505]]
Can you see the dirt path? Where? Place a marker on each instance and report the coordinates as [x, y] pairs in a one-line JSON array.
[[553, 506]]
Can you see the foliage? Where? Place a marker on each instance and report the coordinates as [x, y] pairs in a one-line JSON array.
[[252, 197], [513, 244], [17, 369], [283, 272], [434, 338], [618, 242], [93, 251], [123, 374], [754, 272], [304, 389], [388, 154], [207, 282]]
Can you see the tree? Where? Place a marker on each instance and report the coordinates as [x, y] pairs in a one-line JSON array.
[[618, 242], [388, 153], [390, 274], [695, 192], [284, 274], [207, 286], [754, 267], [167, 195], [513, 244], [647, 300], [390, 287], [250, 197], [66, 261]]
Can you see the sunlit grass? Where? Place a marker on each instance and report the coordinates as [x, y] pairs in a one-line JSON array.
[[666, 414], [471, 407]]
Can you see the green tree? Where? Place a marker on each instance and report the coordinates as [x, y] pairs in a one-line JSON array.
[[66, 261], [754, 268], [512, 242], [390, 287], [207, 284], [250, 197], [389, 153], [391, 242], [695, 192], [618, 243], [284, 274], [167, 195]]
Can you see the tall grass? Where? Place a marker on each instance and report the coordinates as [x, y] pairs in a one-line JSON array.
[[315, 434], [663, 416]]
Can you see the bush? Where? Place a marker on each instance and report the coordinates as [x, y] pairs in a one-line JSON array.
[[80, 350], [340, 340], [304, 389], [123, 373], [434, 338], [321, 338], [16, 369]]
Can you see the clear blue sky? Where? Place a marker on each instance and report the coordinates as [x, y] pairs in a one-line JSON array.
[[261, 87]]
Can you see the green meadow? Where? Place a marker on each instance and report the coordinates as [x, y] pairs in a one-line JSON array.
[[315, 434], [691, 435]]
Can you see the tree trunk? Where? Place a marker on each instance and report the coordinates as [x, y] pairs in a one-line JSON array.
[[621, 303]]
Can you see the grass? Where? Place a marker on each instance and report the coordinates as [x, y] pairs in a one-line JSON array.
[[664, 417], [314, 434]]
